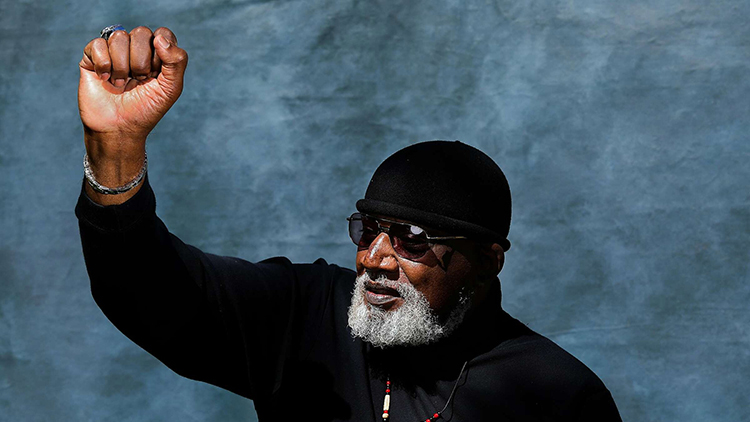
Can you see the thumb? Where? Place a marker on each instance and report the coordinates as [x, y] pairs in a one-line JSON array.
[[173, 63]]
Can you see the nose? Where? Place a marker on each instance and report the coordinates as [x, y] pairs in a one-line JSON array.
[[381, 255]]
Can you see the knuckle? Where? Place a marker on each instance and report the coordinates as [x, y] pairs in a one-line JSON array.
[[98, 43], [139, 30], [118, 36]]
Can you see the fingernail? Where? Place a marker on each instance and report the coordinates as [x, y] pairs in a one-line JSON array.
[[105, 76], [141, 77], [163, 42], [119, 82]]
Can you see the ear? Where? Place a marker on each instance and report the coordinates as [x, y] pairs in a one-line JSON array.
[[491, 260], [500, 254]]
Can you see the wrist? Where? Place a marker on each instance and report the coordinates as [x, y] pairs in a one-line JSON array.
[[114, 161], [114, 146], [103, 199], [117, 190]]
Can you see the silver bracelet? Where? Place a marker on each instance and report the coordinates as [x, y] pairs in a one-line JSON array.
[[112, 191]]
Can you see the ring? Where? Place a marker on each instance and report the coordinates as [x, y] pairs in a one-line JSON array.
[[106, 32]]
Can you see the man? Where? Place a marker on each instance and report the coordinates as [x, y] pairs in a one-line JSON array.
[[416, 333]]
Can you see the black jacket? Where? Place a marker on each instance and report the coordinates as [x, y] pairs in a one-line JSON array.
[[277, 333]]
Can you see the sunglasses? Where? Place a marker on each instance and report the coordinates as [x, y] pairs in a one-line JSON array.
[[409, 241]]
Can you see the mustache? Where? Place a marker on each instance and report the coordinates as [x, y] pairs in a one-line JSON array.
[[372, 279], [378, 282]]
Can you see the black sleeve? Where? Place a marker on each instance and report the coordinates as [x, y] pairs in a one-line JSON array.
[[216, 319]]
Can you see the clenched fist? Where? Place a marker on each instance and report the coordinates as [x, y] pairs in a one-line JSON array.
[[127, 84], [130, 81]]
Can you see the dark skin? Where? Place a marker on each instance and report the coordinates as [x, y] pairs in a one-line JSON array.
[[127, 84], [441, 273]]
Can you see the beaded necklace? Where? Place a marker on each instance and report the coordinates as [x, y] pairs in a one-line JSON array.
[[435, 416]]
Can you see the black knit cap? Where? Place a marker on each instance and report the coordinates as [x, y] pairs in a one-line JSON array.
[[446, 185]]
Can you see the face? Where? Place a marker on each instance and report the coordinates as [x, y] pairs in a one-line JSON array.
[[440, 275], [411, 294], [414, 294]]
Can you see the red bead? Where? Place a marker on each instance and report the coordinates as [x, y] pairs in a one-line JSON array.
[[387, 390], [435, 416], [385, 411]]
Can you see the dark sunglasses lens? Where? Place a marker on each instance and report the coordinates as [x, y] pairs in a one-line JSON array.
[[370, 231], [409, 241], [362, 230], [355, 228]]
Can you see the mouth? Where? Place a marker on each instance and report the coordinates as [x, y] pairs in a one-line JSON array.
[[379, 295]]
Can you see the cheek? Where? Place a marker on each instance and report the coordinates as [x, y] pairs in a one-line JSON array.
[[431, 284], [441, 288]]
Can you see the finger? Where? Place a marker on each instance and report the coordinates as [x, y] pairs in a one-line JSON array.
[[87, 62], [119, 52], [173, 62], [156, 61], [96, 58], [140, 52]]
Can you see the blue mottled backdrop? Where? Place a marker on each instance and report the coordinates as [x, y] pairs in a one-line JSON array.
[[622, 127]]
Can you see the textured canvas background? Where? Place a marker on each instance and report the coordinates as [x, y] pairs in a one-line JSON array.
[[622, 128]]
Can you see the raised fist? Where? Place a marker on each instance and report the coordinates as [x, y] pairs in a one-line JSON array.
[[129, 82]]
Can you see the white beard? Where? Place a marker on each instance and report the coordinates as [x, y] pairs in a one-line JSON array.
[[411, 324]]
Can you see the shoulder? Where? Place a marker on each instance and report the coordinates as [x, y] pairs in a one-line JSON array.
[[280, 269], [539, 358], [529, 374], [277, 282], [321, 273], [319, 283]]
